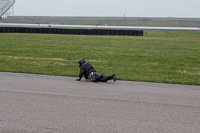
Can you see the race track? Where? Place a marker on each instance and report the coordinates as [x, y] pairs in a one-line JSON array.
[[100, 27], [57, 104]]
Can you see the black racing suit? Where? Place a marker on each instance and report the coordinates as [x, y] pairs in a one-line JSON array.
[[103, 78], [86, 69]]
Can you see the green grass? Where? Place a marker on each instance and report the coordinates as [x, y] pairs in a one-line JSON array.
[[158, 56]]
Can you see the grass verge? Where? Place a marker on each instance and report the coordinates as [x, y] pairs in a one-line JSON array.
[[158, 56]]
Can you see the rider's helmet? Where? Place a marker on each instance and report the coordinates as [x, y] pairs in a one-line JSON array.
[[81, 61]]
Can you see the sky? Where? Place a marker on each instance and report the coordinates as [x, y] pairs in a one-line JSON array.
[[109, 8]]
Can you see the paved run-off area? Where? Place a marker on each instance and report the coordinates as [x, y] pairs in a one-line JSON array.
[[56, 104]]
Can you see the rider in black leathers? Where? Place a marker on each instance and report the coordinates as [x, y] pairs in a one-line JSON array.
[[90, 73]]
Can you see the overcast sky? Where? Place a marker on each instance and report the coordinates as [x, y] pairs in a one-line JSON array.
[[131, 8]]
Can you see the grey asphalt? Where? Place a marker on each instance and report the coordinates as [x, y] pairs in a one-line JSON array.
[[101, 27], [57, 104]]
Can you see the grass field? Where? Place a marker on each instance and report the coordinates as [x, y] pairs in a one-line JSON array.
[[158, 56]]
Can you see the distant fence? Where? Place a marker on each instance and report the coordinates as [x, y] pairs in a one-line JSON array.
[[104, 18], [72, 31]]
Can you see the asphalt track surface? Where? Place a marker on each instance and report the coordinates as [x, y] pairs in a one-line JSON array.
[[101, 27], [57, 104]]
